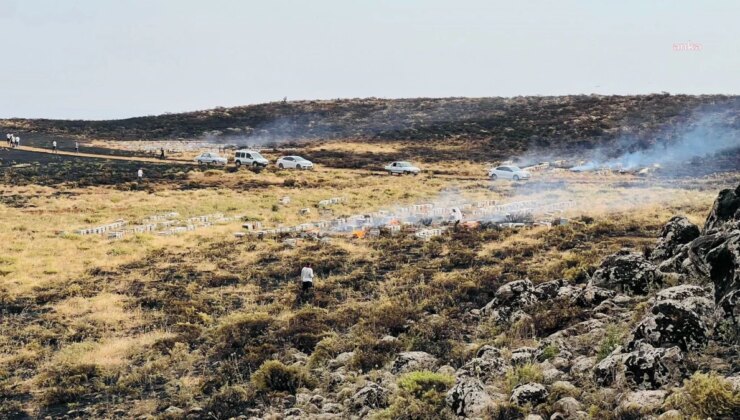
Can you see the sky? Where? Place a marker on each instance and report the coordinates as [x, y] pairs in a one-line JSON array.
[[109, 59]]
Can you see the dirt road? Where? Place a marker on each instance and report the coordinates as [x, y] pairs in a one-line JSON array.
[[99, 156]]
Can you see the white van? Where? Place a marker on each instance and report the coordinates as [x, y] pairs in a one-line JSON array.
[[249, 158]]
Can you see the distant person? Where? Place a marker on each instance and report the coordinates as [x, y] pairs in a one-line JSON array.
[[77, 147], [306, 282], [456, 216], [9, 139], [140, 174], [54, 146], [17, 141], [161, 153]]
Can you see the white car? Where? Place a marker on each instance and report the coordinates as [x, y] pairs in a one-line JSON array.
[[401, 168], [209, 158], [508, 172], [249, 158], [294, 162]]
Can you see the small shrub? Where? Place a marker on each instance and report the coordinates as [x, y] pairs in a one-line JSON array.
[[421, 396], [373, 354], [612, 339], [549, 352], [521, 375], [230, 401], [707, 395], [273, 376]]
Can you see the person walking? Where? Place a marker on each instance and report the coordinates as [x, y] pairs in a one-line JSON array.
[[9, 139], [161, 153], [77, 147], [140, 174], [306, 282], [17, 141], [54, 146]]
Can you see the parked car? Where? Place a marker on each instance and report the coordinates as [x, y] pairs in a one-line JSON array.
[[402, 168], [508, 172], [249, 158], [294, 162], [210, 158]]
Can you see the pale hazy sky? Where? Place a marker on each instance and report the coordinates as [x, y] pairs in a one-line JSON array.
[[114, 59]]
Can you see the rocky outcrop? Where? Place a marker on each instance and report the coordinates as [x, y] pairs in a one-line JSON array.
[[469, 399], [414, 360], [486, 366], [672, 323], [627, 272], [509, 298], [531, 393], [371, 395], [645, 367], [725, 211], [676, 233]]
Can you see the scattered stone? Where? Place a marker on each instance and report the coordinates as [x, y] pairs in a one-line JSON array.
[[651, 368], [174, 411], [676, 233], [469, 399], [371, 395], [412, 361], [627, 273], [672, 323], [641, 403], [567, 406], [531, 393], [510, 297], [523, 355], [725, 210]]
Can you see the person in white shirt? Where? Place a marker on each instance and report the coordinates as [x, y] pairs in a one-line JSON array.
[[77, 147], [306, 277], [305, 294], [456, 216], [54, 146], [17, 141], [140, 174]]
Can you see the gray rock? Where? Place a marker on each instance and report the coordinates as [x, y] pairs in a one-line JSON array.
[[468, 398], [552, 375], [174, 411], [523, 355], [412, 361], [446, 370], [486, 366], [676, 233], [650, 368], [592, 295], [672, 323], [628, 273], [641, 403], [371, 395], [725, 211], [342, 359], [333, 408], [548, 290], [582, 366], [512, 296], [568, 406], [531, 393]]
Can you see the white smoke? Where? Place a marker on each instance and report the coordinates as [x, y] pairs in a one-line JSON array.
[[709, 135]]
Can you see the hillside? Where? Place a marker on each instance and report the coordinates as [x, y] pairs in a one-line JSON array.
[[518, 122]]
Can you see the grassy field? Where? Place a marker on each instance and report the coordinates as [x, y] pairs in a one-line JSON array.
[[147, 322]]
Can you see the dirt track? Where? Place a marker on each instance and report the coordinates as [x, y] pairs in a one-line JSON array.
[[99, 156]]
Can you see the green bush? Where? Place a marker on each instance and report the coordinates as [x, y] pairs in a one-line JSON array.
[[521, 375], [277, 377], [549, 352], [425, 385], [421, 396], [707, 395], [612, 339]]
